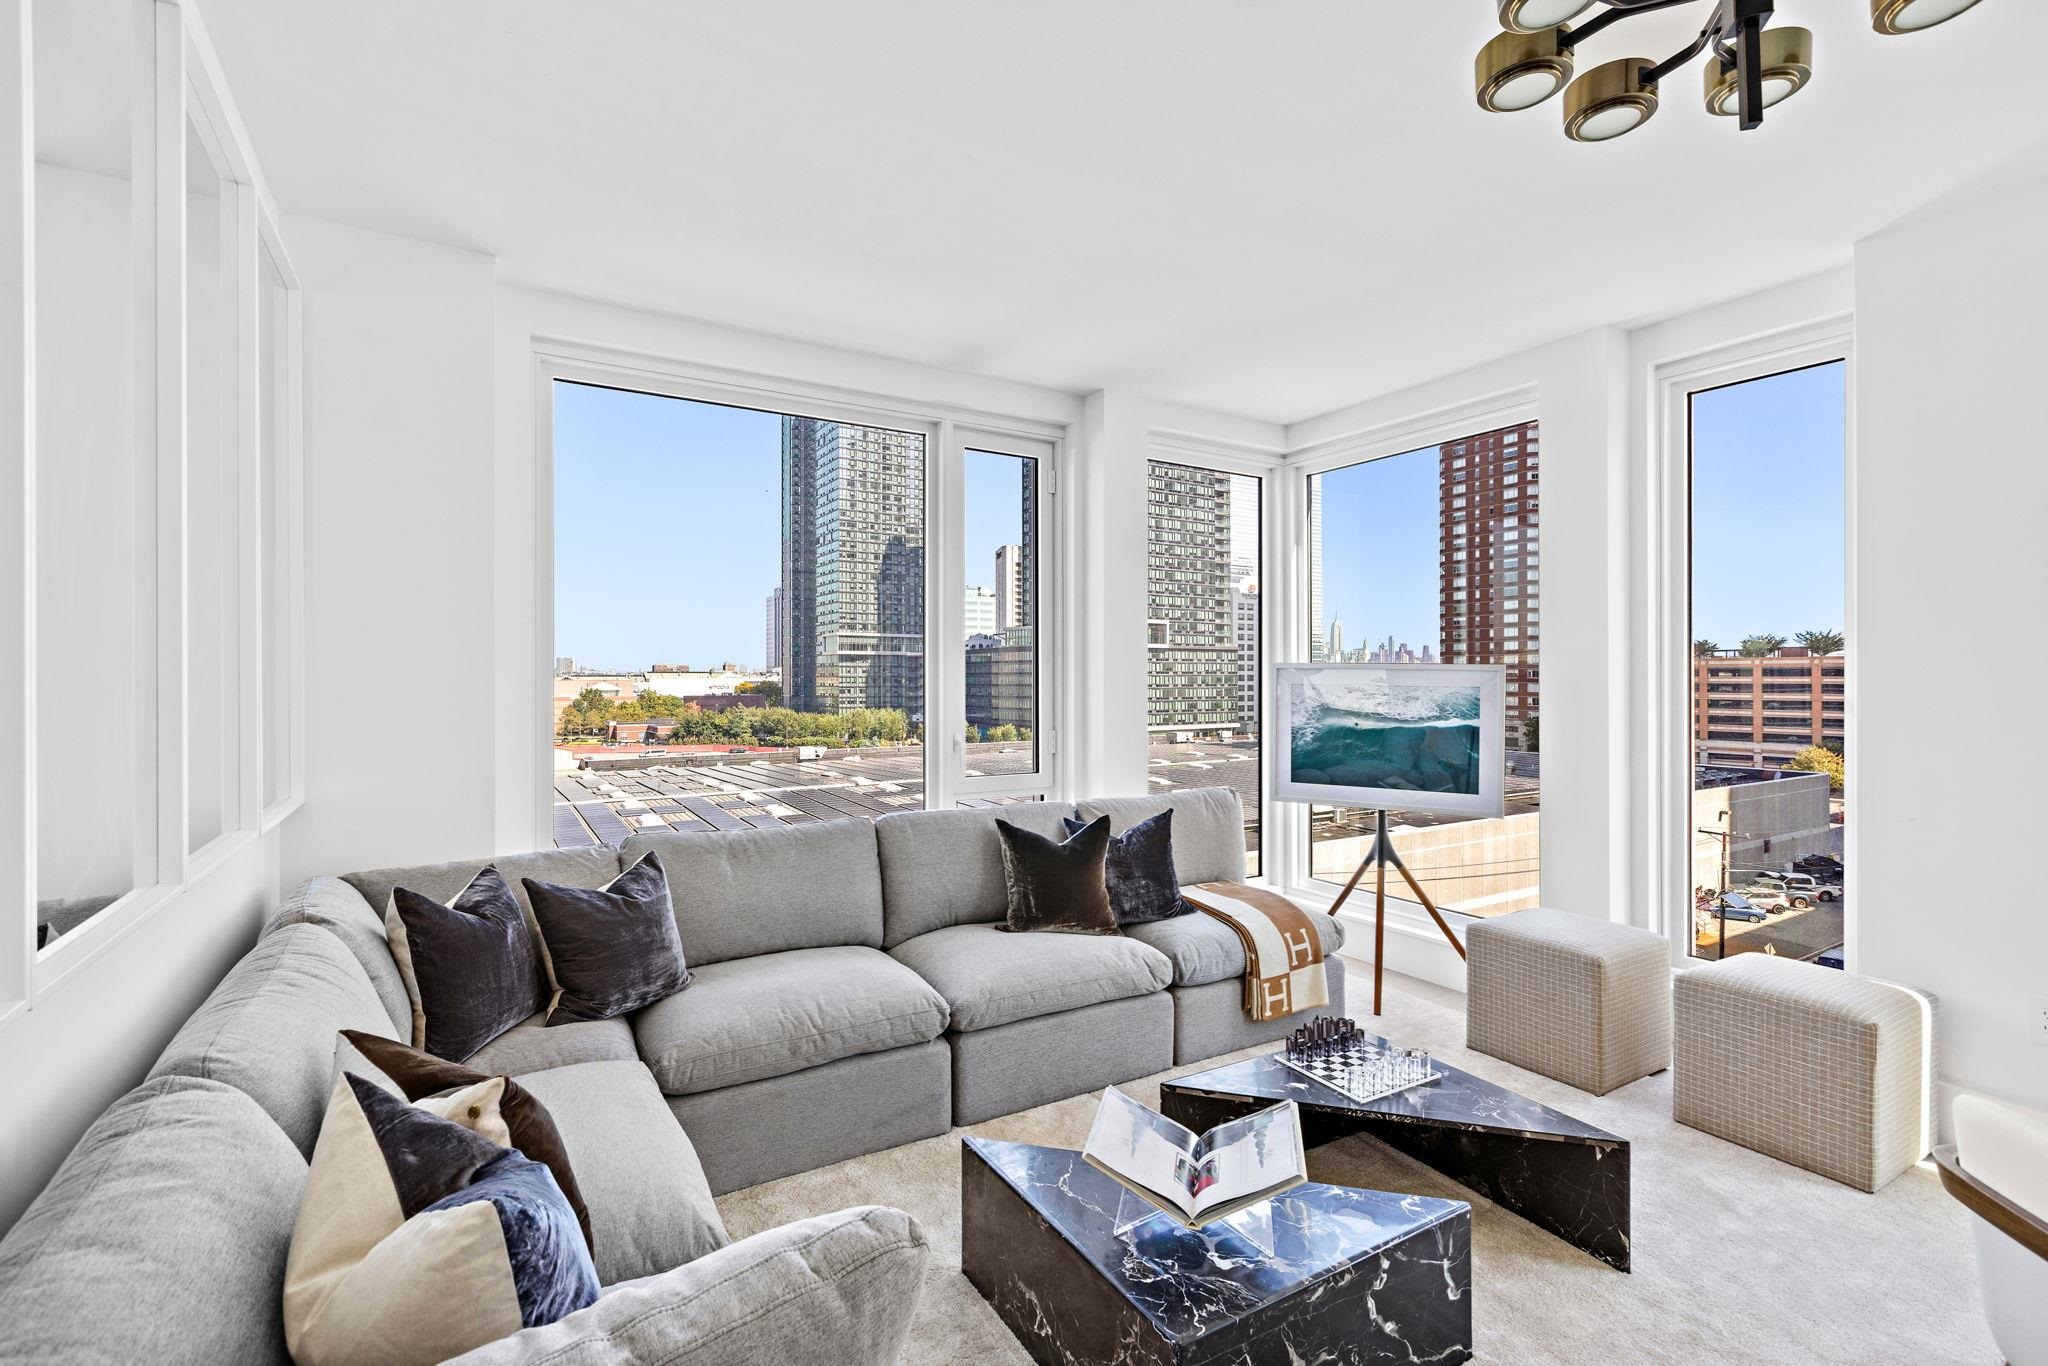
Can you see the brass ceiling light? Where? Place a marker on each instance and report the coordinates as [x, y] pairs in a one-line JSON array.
[[1610, 100], [1533, 16], [1787, 67], [1910, 16], [1521, 70], [1750, 65]]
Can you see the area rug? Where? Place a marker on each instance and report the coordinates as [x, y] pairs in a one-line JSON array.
[[1738, 1258]]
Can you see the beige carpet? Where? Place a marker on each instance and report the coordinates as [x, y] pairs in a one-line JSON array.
[[1739, 1259]]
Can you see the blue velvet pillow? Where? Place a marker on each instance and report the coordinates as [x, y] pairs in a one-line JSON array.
[[1143, 885]]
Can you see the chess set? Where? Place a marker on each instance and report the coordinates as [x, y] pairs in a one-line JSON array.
[[1346, 1059]]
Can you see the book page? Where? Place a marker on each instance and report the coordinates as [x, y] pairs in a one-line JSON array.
[[1144, 1147], [1245, 1156]]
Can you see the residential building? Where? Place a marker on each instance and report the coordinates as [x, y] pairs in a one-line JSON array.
[[1192, 646], [1010, 607], [1244, 601], [772, 650], [1002, 679], [1759, 711], [1490, 501], [853, 567]]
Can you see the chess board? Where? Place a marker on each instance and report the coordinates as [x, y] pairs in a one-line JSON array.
[[1361, 1070]]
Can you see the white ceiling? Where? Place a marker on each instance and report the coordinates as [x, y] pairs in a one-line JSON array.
[[1265, 208]]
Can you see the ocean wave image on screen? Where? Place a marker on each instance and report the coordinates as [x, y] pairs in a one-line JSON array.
[[1362, 731]]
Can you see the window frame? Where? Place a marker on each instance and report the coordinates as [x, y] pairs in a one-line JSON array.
[[1666, 899], [1288, 841], [1276, 555], [948, 430], [173, 75]]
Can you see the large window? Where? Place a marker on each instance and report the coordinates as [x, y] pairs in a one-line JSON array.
[[1000, 614], [1202, 700], [1769, 666], [739, 617], [1427, 556]]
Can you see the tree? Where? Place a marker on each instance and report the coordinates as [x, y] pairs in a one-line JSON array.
[[895, 727], [767, 688], [1756, 647], [1822, 642], [1005, 734], [1702, 648], [1821, 759], [973, 735], [1532, 739]]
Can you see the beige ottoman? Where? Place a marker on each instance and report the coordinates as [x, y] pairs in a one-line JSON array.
[[1583, 1000], [1825, 1070]]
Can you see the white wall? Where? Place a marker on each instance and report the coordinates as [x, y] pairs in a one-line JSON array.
[[1947, 512], [95, 1033], [399, 551]]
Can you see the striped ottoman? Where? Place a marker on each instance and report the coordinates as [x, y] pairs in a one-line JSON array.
[[1813, 1066], [1580, 999]]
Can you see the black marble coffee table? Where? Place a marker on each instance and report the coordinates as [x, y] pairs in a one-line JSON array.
[[1555, 1171], [1353, 1276]]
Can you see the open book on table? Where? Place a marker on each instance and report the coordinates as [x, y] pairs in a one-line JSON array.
[[1197, 1178]]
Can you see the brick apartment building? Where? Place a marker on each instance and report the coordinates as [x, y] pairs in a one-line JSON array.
[[1490, 582], [1759, 711]]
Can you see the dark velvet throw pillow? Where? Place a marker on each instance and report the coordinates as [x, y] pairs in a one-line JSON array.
[[470, 965], [1142, 883], [1057, 886], [611, 949], [419, 1075]]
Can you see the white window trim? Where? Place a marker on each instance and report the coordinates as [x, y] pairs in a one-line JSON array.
[[174, 71], [1287, 842], [947, 429], [1275, 575], [1666, 746], [291, 472]]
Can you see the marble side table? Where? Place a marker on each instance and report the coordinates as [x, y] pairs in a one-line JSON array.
[[1559, 1173], [1352, 1276]]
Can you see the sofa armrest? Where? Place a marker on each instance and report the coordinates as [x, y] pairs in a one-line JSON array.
[[837, 1289]]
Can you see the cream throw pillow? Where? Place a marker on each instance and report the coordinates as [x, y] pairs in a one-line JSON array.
[[366, 1283]]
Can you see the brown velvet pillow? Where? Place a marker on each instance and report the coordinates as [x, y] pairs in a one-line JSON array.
[[1057, 886], [418, 1074]]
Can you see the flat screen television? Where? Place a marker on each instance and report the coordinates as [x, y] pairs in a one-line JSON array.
[[1426, 738]]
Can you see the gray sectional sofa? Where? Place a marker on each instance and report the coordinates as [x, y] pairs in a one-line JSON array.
[[851, 993]]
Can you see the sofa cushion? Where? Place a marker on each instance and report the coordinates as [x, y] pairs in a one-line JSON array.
[[269, 1027], [750, 1018], [1203, 949], [471, 964], [441, 881], [1208, 829], [161, 1238], [532, 1045], [990, 978], [339, 909], [739, 893], [840, 1288], [1057, 885], [608, 950], [943, 868], [650, 1207]]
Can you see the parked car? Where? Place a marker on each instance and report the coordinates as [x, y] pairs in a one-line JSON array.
[[1831, 958], [739, 749], [1736, 906]]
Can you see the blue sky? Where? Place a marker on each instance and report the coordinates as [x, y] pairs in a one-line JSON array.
[[1767, 507], [668, 530]]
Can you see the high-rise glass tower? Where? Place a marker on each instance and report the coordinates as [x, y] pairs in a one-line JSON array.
[[1192, 658], [852, 567]]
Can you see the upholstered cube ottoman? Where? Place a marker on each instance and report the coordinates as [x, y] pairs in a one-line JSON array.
[[1577, 998], [1820, 1068]]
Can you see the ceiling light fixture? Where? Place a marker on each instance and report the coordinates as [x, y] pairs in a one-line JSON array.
[[1910, 16], [1750, 66]]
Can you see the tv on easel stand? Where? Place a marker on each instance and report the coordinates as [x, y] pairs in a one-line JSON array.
[[1423, 738]]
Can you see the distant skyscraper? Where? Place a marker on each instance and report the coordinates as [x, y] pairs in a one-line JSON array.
[[1315, 570], [564, 665], [981, 611], [853, 567], [1491, 568], [1011, 587], [1245, 608], [1336, 655], [1192, 645], [773, 643]]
